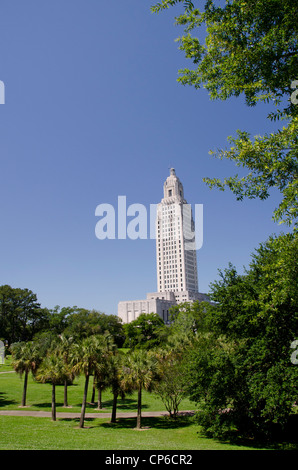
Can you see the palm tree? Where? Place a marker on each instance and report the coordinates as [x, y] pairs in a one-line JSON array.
[[93, 390], [114, 376], [25, 359], [87, 359], [140, 371], [100, 383], [54, 370], [64, 349], [102, 373]]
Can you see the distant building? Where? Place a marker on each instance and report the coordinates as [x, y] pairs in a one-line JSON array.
[[176, 260], [158, 302]]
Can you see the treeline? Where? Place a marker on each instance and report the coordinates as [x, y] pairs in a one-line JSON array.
[[58, 345], [231, 357], [23, 319], [61, 360]]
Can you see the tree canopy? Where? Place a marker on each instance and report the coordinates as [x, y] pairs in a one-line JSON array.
[[145, 332], [250, 48], [21, 315], [241, 372], [22, 319], [82, 323]]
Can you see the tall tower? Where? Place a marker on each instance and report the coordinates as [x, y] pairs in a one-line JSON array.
[[177, 276], [175, 243]]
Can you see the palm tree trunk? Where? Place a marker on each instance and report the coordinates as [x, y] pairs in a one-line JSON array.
[[25, 388], [99, 399], [65, 394], [53, 402], [113, 418], [139, 416], [93, 390], [84, 401]]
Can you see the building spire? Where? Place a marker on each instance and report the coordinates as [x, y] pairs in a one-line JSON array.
[[173, 186]]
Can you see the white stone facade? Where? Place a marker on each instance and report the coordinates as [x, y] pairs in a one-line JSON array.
[[176, 259], [155, 303]]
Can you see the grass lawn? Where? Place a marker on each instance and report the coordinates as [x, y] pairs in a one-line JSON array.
[[158, 433], [18, 433], [39, 397]]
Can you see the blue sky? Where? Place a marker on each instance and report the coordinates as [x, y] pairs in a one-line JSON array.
[[92, 111]]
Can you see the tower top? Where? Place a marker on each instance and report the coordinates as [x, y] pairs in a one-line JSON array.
[[173, 187]]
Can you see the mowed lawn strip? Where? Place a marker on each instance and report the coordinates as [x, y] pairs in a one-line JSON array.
[[39, 397], [37, 433], [27, 433]]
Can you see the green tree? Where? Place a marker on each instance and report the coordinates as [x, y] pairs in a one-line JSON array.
[[112, 325], [171, 384], [250, 48], [114, 370], [101, 375], [146, 332], [86, 358], [56, 371], [187, 321], [241, 373], [140, 371], [59, 318], [25, 358], [46, 340], [63, 349], [21, 316], [82, 323]]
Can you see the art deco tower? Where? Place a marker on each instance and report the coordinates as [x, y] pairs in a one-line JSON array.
[[175, 243], [177, 277]]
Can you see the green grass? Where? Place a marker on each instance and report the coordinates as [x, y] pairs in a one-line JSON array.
[[158, 433], [39, 397], [7, 364], [27, 433]]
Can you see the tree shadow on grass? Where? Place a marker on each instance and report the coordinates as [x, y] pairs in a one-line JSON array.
[[156, 422], [280, 440], [46, 404], [126, 404], [4, 401], [87, 422]]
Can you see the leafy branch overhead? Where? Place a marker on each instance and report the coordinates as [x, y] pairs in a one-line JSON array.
[[249, 48]]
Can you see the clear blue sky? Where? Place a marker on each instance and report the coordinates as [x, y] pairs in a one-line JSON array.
[[93, 110]]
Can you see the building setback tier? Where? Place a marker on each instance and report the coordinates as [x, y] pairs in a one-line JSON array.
[[176, 257], [156, 302]]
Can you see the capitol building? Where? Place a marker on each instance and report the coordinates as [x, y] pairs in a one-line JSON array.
[[176, 259]]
